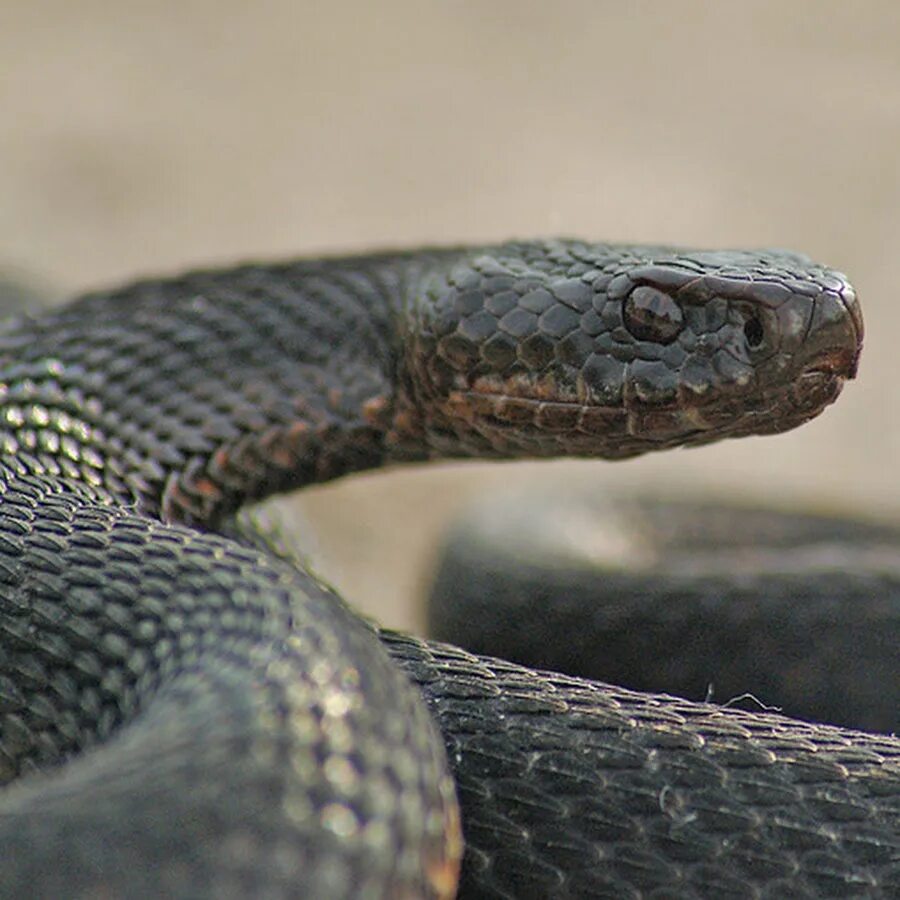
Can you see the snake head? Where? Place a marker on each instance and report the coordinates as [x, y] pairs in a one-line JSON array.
[[571, 348]]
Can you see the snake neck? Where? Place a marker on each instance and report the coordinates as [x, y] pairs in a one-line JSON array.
[[194, 395], [198, 394]]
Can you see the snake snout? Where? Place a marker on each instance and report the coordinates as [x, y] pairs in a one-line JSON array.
[[834, 339]]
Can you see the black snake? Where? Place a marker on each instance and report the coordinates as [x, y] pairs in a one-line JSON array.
[[244, 734]]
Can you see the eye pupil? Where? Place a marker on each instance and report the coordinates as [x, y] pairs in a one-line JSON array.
[[753, 332], [651, 315]]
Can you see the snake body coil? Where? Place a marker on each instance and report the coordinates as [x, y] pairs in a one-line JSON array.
[[243, 734]]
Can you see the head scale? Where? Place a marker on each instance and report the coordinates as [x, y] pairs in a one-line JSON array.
[[578, 349]]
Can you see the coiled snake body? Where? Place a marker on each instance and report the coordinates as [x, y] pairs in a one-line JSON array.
[[244, 734]]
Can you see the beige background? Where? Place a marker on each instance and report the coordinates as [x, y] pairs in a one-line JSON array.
[[139, 137]]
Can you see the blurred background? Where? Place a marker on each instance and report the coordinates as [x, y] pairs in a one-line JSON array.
[[140, 138]]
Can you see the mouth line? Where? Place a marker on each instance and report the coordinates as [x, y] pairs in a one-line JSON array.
[[516, 409], [521, 399], [828, 373], [643, 426], [834, 364]]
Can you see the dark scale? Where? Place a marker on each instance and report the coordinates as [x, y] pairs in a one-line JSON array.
[[192, 717]]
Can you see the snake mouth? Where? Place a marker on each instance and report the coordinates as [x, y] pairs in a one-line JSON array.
[[550, 413], [834, 338], [657, 424], [836, 363], [820, 383]]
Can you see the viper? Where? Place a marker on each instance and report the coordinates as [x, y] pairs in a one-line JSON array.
[[186, 713]]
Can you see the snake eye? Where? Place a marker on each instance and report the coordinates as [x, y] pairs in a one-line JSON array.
[[754, 333], [651, 315]]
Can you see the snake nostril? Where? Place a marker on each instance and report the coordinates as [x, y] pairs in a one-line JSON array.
[[754, 333]]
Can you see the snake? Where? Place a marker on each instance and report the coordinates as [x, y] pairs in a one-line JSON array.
[[794, 611], [185, 712]]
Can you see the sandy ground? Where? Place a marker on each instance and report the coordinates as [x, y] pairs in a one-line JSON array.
[[144, 137]]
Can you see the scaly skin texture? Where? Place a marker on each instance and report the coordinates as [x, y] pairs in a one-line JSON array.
[[696, 599], [255, 738]]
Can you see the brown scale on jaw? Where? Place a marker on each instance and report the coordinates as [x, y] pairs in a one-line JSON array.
[[339, 434], [684, 349]]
